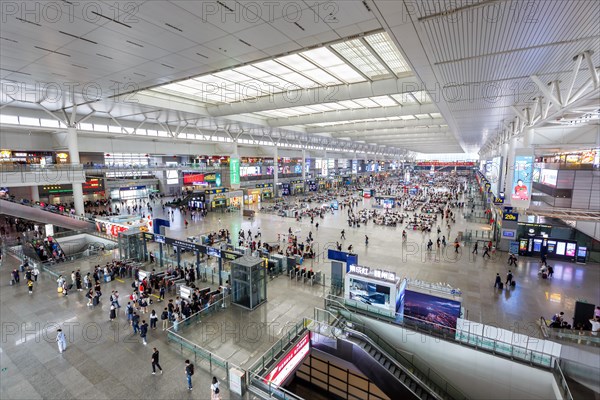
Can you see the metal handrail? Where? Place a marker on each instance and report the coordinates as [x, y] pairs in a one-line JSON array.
[[479, 342], [581, 337], [398, 365], [561, 381]]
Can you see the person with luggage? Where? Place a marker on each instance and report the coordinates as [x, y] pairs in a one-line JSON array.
[[90, 297], [155, 362], [189, 372], [65, 288], [509, 278], [550, 271], [498, 282], [30, 286], [512, 260], [144, 332]]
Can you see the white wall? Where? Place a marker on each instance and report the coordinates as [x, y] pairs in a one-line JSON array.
[[477, 374]]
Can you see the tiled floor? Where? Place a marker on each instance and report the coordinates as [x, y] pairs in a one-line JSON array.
[[104, 361]]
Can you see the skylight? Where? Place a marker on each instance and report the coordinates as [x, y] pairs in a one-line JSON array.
[[382, 44], [361, 57]]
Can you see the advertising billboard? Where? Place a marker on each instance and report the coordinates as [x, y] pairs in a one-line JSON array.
[[521, 185], [289, 362], [250, 171], [234, 171], [549, 177], [430, 309]]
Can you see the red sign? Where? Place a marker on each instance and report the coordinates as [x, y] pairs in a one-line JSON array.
[[193, 179], [288, 363], [92, 184]]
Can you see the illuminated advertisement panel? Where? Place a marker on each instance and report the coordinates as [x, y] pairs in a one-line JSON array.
[[288, 364], [522, 173]]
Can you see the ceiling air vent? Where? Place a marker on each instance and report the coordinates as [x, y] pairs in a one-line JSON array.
[[116, 21], [173, 27], [225, 6], [246, 43], [299, 26], [79, 66], [9, 40], [102, 55], [52, 51], [134, 43], [168, 66], [15, 72], [78, 37], [202, 55], [138, 74], [366, 6], [28, 22]]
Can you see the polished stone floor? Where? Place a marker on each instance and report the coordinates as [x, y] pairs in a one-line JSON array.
[[105, 361]]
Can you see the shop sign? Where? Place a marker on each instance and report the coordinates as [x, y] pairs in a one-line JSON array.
[[388, 276], [132, 188], [234, 171], [216, 191], [230, 256], [510, 216], [148, 236], [360, 270], [264, 185]]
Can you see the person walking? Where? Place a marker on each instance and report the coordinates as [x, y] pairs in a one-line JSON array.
[[153, 320], [113, 313], [509, 278], [475, 248], [189, 372], [366, 240], [135, 323], [155, 362], [144, 332], [550, 271], [456, 246], [498, 281], [215, 391], [343, 235], [61, 340], [30, 286], [486, 252], [35, 273], [165, 319]]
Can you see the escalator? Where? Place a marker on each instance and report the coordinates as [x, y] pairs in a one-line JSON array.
[[56, 252], [46, 217]]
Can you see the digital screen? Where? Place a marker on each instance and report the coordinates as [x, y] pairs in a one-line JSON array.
[[388, 203], [270, 170], [211, 251], [159, 239], [551, 246], [285, 189], [521, 185], [560, 248], [523, 245], [549, 177], [298, 169], [193, 179], [570, 250], [537, 245], [508, 233], [369, 293], [288, 364], [431, 309], [582, 252], [172, 177]]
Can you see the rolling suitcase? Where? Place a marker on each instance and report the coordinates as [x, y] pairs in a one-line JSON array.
[[501, 286], [95, 301], [544, 276], [513, 283]]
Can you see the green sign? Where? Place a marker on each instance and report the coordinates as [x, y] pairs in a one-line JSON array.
[[234, 171]]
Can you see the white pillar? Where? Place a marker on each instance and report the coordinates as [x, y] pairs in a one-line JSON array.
[[528, 137], [35, 193], [303, 165], [73, 146], [512, 146], [275, 172]]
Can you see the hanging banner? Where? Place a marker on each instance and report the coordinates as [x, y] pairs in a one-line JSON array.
[[234, 171], [522, 174]]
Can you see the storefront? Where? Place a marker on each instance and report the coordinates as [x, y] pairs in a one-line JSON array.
[[27, 157], [221, 198], [252, 196], [312, 186], [266, 190], [129, 193], [116, 224], [297, 187], [195, 181], [196, 201], [285, 189]]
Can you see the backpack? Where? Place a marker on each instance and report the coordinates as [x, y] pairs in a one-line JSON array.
[[164, 315], [191, 369]]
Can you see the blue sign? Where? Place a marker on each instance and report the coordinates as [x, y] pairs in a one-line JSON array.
[[349, 259]]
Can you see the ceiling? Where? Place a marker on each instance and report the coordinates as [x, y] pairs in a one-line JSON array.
[[426, 77]]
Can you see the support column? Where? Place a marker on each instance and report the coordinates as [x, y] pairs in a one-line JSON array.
[[73, 147], [35, 193], [275, 172], [303, 165], [512, 146], [528, 137]]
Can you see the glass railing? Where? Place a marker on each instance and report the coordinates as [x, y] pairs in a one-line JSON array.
[[561, 382], [571, 335], [27, 203], [269, 390], [479, 342]]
